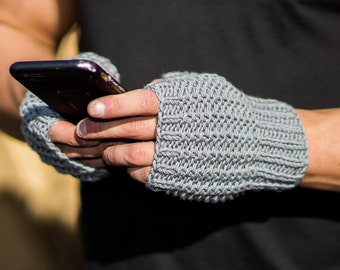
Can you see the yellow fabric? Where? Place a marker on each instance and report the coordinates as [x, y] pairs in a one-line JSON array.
[[38, 206]]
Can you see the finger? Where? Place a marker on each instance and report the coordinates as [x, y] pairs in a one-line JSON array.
[[97, 163], [157, 80], [132, 103], [130, 155], [85, 152], [140, 174], [63, 132], [138, 128]]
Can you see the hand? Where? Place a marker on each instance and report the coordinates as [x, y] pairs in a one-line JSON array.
[[63, 134], [132, 116]]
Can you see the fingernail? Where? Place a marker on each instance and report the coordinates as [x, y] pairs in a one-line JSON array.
[[82, 128], [97, 109]]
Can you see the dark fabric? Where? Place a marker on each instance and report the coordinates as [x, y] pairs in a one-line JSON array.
[[288, 50]]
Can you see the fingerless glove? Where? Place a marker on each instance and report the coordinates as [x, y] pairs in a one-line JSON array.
[[37, 121], [214, 142]]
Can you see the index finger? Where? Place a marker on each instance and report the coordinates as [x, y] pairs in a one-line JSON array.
[[133, 103]]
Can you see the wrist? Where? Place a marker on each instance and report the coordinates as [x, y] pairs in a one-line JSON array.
[[322, 129]]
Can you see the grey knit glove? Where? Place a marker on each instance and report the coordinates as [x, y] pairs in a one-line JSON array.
[[37, 121], [214, 142]]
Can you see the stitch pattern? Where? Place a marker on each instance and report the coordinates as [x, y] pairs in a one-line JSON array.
[[214, 142]]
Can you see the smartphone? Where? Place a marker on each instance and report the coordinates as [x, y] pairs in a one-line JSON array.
[[67, 86]]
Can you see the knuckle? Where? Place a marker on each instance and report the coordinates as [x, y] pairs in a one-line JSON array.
[[140, 127], [109, 156], [117, 104], [136, 155], [134, 126], [148, 101]]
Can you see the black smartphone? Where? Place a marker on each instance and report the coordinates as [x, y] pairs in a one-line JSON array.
[[67, 86]]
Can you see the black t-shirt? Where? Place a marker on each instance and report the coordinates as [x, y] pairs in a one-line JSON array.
[[288, 50]]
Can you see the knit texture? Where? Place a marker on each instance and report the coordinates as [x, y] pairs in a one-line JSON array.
[[38, 119], [214, 142]]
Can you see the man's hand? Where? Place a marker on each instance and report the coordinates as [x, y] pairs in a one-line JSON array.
[[121, 132]]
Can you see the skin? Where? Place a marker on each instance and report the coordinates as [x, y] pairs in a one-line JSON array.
[[33, 31], [29, 30]]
